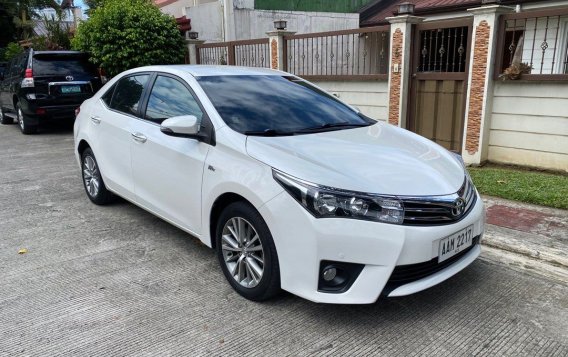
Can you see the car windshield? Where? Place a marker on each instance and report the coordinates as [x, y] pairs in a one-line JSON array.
[[277, 105]]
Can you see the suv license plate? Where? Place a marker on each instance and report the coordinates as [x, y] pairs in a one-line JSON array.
[[70, 89], [455, 243]]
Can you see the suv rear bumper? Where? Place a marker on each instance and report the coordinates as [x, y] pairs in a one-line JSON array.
[[36, 113]]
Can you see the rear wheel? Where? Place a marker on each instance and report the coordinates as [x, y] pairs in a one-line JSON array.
[[5, 119], [246, 252], [93, 181], [25, 126]]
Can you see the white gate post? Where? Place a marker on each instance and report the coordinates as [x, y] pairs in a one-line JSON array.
[[399, 66], [276, 45], [479, 103], [192, 47]]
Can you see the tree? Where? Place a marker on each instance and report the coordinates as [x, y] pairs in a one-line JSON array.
[[124, 34], [12, 50], [92, 5], [16, 15], [58, 34]]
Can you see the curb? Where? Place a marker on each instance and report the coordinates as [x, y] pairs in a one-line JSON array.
[[541, 246]]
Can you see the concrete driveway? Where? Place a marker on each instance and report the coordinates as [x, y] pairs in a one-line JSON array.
[[101, 281]]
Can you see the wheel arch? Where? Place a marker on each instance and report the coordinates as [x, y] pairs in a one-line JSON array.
[[218, 206], [83, 145]]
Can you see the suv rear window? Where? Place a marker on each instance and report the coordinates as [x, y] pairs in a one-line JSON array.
[[47, 64]]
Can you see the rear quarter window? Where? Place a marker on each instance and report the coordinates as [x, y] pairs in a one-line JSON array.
[[128, 93]]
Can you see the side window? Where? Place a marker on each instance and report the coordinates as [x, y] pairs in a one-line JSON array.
[[108, 95], [128, 93], [170, 98], [17, 65]]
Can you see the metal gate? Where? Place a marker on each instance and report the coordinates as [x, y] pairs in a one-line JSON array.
[[440, 66]]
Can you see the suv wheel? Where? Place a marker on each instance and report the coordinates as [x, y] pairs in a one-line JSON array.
[[4, 119], [246, 252], [25, 126], [93, 181]]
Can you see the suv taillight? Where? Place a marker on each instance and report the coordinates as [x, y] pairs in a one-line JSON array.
[[28, 81], [103, 76]]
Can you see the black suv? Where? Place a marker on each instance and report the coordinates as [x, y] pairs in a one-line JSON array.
[[38, 86]]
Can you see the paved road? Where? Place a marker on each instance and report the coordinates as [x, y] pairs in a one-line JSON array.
[[100, 281]]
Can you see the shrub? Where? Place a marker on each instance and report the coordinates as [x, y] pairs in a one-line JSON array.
[[12, 50], [124, 34]]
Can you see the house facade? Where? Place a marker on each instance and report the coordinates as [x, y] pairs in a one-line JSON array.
[[490, 115], [231, 20], [487, 79]]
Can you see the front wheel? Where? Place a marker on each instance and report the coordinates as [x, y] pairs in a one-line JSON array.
[[246, 252]]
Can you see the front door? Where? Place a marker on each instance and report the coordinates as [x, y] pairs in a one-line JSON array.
[[168, 170], [440, 64]]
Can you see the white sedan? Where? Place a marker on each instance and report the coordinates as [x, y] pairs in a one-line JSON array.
[[294, 189]]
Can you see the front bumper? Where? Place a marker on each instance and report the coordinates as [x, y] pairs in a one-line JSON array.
[[303, 241]]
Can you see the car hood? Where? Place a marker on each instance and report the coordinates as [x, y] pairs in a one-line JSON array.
[[380, 158]]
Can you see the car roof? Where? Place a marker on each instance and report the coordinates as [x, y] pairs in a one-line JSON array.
[[59, 53], [206, 70]]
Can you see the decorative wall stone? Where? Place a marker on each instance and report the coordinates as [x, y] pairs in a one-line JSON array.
[[477, 90], [274, 54], [395, 78]]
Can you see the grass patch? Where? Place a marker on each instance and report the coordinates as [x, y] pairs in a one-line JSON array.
[[541, 188]]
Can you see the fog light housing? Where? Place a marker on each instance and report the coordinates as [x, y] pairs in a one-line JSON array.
[[337, 277]]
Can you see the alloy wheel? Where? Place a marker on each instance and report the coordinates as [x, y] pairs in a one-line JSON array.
[[91, 176], [242, 252]]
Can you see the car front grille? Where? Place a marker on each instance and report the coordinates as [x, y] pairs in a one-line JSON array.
[[438, 210], [404, 274]]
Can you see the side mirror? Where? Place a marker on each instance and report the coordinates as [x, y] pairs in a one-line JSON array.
[[182, 126]]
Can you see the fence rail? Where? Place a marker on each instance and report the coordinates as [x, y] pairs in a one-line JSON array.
[[349, 54], [250, 53], [536, 42]]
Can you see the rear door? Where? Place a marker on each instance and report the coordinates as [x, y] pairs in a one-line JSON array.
[[64, 78], [12, 80], [4, 85], [111, 123]]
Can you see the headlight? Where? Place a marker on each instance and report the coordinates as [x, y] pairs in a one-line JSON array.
[[325, 202]]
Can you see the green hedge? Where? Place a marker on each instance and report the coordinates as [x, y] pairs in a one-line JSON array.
[[311, 5]]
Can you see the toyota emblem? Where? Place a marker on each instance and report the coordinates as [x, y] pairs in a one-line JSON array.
[[459, 206], [69, 78]]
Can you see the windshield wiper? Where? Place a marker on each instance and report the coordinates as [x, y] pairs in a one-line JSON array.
[[268, 132], [331, 126]]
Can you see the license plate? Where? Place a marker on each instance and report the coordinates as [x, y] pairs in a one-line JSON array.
[[455, 243], [70, 89]]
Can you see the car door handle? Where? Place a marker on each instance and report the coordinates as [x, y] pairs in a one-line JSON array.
[[96, 120], [139, 137]]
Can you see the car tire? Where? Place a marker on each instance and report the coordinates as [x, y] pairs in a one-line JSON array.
[[25, 126], [5, 119], [93, 181], [241, 259]]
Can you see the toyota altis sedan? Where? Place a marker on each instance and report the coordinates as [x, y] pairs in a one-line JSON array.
[[293, 188]]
